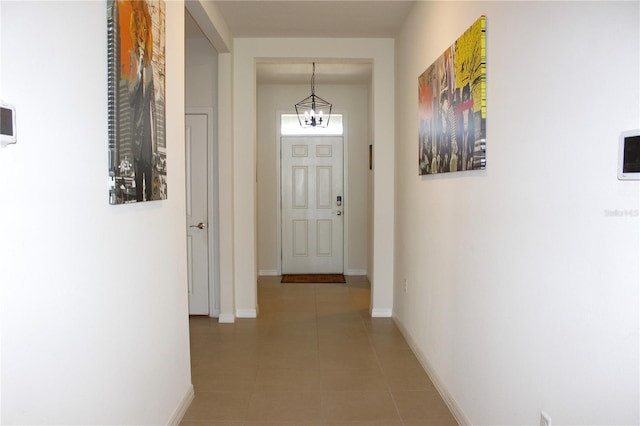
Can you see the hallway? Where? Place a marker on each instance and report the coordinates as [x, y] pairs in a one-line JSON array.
[[312, 357]]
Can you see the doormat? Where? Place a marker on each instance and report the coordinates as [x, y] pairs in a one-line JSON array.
[[314, 278]]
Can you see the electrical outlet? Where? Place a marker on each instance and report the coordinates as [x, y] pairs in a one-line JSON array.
[[405, 286], [545, 420]]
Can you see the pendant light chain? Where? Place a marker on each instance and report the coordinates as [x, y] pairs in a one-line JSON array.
[[313, 111]]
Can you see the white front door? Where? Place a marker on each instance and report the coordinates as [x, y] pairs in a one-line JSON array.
[[312, 204], [197, 201]]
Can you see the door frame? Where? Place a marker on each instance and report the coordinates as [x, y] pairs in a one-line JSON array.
[[345, 189], [212, 209]]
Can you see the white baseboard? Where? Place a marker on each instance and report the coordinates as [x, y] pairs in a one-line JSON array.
[[381, 313], [453, 405], [226, 318], [182, 408], [246, 313], [268, 272], [356, 272]]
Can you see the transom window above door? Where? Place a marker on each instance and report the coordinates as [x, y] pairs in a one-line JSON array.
[[290, 126]]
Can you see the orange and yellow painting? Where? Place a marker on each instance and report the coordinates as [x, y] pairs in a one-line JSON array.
[[452, 106], [137, 142]]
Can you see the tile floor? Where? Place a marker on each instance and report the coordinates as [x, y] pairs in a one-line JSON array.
[[313, 357]]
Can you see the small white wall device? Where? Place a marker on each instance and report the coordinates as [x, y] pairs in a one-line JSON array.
[[629, 155], [7, 124]]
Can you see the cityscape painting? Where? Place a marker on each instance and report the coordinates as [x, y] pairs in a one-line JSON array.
[[452, 107], [136, 98]]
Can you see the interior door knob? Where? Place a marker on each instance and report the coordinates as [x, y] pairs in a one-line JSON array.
[[339, 213], [199, 226]]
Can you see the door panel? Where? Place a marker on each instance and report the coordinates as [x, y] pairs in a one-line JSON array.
[[197, 201], [311, 182]]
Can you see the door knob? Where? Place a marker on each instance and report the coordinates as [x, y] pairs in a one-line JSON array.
[[339, 213], [199, 226]]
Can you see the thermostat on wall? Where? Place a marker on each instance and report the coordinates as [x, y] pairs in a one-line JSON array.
[[629, 155], [7, 124]]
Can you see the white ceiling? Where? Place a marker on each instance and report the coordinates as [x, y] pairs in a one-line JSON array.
[[311, 18], [314, 18]]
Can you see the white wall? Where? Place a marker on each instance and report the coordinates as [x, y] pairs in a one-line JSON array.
[[522, 287], [94, 300], [201, 74], [353, 102]]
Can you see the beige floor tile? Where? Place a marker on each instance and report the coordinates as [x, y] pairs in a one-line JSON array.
[[211, 380], [313, 357], [273, 317], [431, 423], [423, 407], [381, 326], [292, 330], [341, 323], [218, 406], [340, 318], [286, 344], [353, 380], [401, 359], [200, 324], [350, 406], [342, 340], [334, 308], [341, 359], [339, 343], [295, 360], [366, 423], [408, 379], [347, 334], [227, 362], [389, 342], [283, 423], [279, 406], [291, 304], [288, 380]]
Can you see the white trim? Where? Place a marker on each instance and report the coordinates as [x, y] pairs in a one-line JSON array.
[[346, 196], [268, 272], [182, 408], [356, 272], [279, 189], [381, 313], [226, 319], [212, 207], [453, 405], [246, 313]]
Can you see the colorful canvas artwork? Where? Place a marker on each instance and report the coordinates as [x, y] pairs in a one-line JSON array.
[[452, 107], [136, 96]]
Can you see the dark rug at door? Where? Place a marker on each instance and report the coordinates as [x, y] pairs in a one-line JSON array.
[[314, 278]]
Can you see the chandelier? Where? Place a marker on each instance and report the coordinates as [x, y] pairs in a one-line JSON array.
[[313, 111]]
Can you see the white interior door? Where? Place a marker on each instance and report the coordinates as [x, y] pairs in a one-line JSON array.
[[197, 201], [312, 204]]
